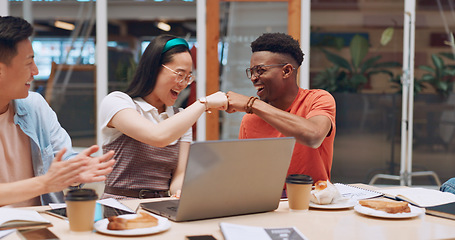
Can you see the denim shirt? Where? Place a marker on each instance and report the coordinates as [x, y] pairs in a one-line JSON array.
[[39, 122], [448, 186]]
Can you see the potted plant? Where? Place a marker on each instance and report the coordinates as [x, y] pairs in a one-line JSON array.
[[440, 75], [352, 76], [346, 78], [436, 111]]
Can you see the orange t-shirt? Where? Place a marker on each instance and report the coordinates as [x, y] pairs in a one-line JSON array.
[[305, 160]]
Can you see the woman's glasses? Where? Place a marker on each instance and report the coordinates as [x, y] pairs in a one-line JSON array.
[[181, 77]]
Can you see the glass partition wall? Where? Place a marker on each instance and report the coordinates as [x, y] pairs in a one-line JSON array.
[[368, 102], [356, 54], [64, 45], [434, 100], [240, 24], [65, 51], [369, 107]]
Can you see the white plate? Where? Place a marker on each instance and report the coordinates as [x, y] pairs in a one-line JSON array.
[[349, 203], [415, 211], [163, 225]]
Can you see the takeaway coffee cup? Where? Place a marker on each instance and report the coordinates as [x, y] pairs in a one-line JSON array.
[[80, 206], [298, 190]]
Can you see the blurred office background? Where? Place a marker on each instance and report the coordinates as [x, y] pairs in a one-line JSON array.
[[356, 53]]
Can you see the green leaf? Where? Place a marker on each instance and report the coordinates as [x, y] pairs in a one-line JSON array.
[[326, 79], [438, 62], [338, 43], [447, 55], [449, 72], [342, 76], [442, 86], [386, 36], [337, 60], [369, 63], [427, 68], [417, 88], [359, 49], [358, 79], [427, 78], [396, 79]]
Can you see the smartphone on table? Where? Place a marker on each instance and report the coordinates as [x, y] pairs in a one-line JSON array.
[[37, 234]]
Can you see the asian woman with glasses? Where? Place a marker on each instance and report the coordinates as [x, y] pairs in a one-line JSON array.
[[151, 138]]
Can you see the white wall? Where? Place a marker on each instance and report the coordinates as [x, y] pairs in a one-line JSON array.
[[4, 9]]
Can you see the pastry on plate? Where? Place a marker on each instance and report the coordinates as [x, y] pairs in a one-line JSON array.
[[143, 220], [324, 193], [388, 206]]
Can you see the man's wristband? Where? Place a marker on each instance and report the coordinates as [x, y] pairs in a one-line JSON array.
[[249, 105]]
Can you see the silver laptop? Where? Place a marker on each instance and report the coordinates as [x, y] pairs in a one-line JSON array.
[[229, 177]]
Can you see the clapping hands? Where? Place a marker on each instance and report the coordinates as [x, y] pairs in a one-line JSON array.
[[96, 167], [83, 168]]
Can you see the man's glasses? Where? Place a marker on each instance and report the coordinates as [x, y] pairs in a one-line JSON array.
[[258, 70], [181, 77]]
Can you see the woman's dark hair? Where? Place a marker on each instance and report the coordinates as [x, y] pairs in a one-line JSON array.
[[12, 31], [149, 66], [278, 43]]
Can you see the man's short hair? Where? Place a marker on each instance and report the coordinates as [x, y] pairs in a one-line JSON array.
[[12, 31], [278, 43]]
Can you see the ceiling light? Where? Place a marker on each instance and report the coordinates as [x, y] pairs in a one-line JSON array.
[[64, 25], [164, 26]]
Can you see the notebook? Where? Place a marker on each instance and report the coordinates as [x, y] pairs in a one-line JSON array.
[[21, 219], [355, 192], [445, 211], [229, 177], [420, 197]]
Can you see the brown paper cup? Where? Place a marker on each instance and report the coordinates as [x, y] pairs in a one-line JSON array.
[[80, 206], [298, 189]]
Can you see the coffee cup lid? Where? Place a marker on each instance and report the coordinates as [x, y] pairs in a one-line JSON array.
[[299, 179], [83, 194]]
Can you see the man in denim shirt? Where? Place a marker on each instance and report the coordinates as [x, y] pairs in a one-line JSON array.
[[448, 186], [32, 142]]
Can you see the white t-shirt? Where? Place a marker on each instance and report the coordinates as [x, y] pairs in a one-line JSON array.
[[116, 101]]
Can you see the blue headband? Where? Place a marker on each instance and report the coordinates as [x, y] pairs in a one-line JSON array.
[[174, 42]]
